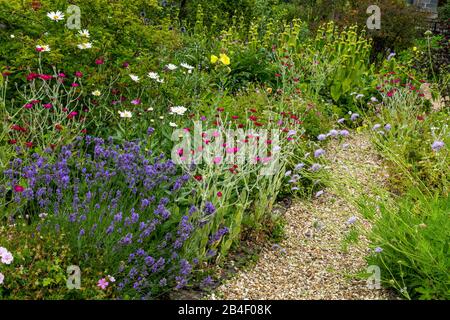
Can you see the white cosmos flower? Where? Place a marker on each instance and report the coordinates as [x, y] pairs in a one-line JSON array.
[[44, 47], [55, 16], [180, 110], [12, 36], [187, 66], [84, 33], [172, 124], [125, 114], [160, 80], [171, 66], [134, 78], [153, 75], [150, 109], [85, 45], [96, 93], [359, 96]]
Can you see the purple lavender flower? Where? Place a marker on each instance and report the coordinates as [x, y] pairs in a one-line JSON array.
[[319, 193], [127, 239], [387, 127], [378, 249], [207, 282], [315, 167], [341, 120], [150, 131], [185, 267], [218, 235], [321, 137], [209, 208]]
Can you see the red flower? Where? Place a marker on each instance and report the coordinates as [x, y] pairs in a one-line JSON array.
[[29, 144], [28, 106], [58, 127], [219, 194], [12, 141], [45, 77], [47, 105], [258, 124], [18, 188], [84, 131], [198, 177], [253, 118], [240, 125], [72, 114], [18, 128], [32, 76], [420, 118], [221, 109], [253, 110], [78, 74], [99, 61], [234, 117], [277, 75]]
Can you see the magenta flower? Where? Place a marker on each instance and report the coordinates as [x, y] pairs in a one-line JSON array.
[[102, 283], [136, 101]]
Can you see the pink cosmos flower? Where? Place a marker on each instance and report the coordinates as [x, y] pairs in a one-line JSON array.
[[217, 160], [102, 283], [78, 74], [136, 101], [75, 85]]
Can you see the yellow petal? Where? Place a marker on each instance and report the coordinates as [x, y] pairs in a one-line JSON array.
[[224, 59], [214, 59]]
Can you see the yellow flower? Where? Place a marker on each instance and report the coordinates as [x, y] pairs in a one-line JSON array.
[[415, 49], [269, 90], [224, 59], [214, 59]]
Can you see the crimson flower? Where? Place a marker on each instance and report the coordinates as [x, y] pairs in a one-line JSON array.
[[18, 188]]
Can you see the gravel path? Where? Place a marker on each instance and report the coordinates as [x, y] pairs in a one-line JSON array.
[[311, 262]]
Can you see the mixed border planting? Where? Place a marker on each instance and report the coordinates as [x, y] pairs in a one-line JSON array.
[[143, 146]]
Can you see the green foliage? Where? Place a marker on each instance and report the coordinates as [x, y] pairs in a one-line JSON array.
[[414, 236]]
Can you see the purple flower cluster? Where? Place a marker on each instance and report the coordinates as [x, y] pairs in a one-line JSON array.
[[112, 200]]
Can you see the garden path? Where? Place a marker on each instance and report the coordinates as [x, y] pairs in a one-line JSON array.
[[311, 262]]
